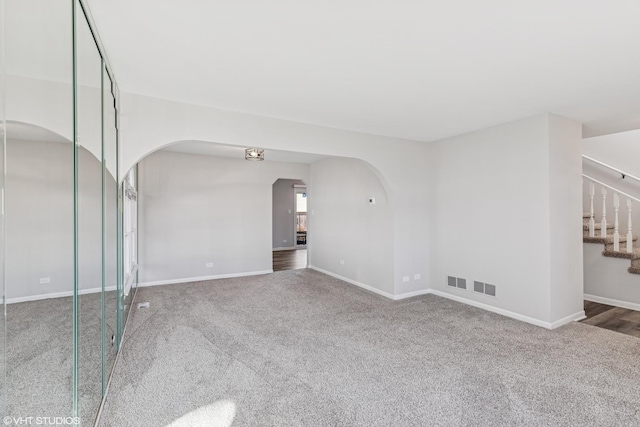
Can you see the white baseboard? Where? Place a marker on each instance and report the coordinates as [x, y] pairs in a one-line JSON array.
[[548, 325], [57, 295], [202, 278], [412, 294], [353, 282], [575, 317], [288, 248], [614, 302]]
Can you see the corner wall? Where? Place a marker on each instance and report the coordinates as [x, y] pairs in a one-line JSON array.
[[349, 237], [499, 195]]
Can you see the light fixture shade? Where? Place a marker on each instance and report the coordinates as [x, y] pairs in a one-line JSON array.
[[254, 154]]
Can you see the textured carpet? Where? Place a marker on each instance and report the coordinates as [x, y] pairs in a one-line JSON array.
[[299, 348], [40, 356]]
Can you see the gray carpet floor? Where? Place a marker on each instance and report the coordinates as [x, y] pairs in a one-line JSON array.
[[40, 356], [299, 348]]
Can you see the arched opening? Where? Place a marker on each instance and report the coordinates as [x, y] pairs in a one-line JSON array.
[[206, 213]]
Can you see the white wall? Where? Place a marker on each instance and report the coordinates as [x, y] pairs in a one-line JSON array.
[[621, 150], [283, 213], [607, 280], [494, 211], [565, 180], [39, 215], [199, 209], [344, 226]]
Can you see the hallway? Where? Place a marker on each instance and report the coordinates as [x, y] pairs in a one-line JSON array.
[[290, 259]]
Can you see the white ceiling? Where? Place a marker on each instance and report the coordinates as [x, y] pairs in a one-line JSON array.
[[420, 70], [221, 150]]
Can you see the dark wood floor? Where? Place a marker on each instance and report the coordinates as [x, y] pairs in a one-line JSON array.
[[289, 260], [613, 318]]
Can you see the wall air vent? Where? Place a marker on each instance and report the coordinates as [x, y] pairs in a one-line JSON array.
[[457, 282], [478, 287], [451, 281], [484, 288]]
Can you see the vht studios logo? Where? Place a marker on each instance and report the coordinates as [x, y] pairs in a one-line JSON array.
[[41, 421]]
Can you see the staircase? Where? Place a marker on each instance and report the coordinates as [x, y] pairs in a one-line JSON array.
[[621, 205], [608, 242]]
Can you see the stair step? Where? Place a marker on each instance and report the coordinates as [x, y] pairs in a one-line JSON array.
[[634, 270], [586, 215], [597, 226], [604, 240], [633, 256]]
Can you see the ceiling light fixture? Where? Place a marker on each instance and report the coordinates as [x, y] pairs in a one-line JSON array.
[[254, 154]]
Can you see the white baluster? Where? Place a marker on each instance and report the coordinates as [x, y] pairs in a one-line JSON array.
[[629, 235], [603, 223], [592, 221], [616, 233]]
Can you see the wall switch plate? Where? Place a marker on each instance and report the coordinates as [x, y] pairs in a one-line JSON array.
[[209, 265], [341, 262], [406, 278], [289, 210], [284, 241], [45, 280], [417, 276]]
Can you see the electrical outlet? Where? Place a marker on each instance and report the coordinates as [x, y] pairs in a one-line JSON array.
[[289, 210], [406, 278], [372, 200], [284, 241], [45, 280], [209, 265], [417, 276]]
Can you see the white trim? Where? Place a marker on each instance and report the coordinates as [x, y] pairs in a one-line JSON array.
[[353, 282], [57, 295], [288, 248], [573, 317], [203, 278], [614, 302], [412, 294], [130, 279]]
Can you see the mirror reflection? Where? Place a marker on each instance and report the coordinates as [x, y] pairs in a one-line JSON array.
[[39, 220], [64, 292]]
